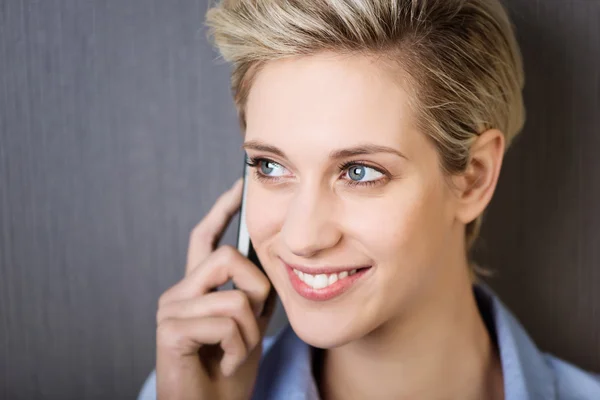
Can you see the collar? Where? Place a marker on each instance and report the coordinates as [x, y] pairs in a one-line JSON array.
[[526, 373]]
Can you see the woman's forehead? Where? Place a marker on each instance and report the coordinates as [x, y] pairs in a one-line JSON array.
[[338, 100]]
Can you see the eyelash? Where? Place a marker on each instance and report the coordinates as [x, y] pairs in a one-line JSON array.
[[254, 162]]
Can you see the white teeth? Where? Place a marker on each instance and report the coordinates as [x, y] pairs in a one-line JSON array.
[[308, 279], [321, 281], [332, 279]]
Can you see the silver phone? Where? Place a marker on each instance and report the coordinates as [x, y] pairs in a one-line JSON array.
[[244, 244]]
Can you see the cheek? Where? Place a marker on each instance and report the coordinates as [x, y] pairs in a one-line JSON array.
[[264, 214], [400, 227]]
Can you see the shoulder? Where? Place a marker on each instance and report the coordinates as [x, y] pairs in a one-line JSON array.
[[148, 389], [571, 381]]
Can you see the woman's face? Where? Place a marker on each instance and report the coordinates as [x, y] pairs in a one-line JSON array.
[[386, 206]]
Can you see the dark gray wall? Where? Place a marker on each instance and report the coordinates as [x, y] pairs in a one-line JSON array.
[[117, 133]]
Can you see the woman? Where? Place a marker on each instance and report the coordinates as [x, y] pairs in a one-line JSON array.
[[375, 131]]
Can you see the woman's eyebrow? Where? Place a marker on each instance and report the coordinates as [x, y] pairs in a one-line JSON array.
[[367, 148]]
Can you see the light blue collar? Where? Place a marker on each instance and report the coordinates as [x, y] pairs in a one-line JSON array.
[[526, 373]]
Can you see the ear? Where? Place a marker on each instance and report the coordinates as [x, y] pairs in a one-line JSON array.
[[475, 187]]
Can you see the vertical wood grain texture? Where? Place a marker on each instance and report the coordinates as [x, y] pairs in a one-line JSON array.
[[117, 133]]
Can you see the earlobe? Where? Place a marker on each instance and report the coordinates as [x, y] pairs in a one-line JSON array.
[[477, 184]]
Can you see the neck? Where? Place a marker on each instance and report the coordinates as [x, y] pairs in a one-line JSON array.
[[441, 351]]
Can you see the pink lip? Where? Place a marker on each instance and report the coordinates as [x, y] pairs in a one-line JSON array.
[[331, 291]]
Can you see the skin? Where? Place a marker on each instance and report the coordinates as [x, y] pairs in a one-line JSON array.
[[410, 328]]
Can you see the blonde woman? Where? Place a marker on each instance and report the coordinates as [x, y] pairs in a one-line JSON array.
[[375, 130]]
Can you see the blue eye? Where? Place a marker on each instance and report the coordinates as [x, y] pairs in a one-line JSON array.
[[266, 167], [358, 172]]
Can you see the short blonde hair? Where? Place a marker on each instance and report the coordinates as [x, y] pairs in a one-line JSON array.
[[459, 58]]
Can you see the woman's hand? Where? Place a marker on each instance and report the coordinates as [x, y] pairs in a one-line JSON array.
[[208, 342]]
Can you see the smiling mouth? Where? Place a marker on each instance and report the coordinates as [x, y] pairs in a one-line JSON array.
[[321, 281], [326, 283]]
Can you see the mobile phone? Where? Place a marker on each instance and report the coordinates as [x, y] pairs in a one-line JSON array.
[[244, 245]]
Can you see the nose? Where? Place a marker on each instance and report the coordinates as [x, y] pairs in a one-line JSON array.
[[310, 225]]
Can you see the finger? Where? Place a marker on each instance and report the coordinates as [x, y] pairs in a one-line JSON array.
[[182, 338], [224, 264], [227, 303], [206, 234]]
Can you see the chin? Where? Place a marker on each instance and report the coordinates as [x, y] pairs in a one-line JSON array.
[[323, 332]]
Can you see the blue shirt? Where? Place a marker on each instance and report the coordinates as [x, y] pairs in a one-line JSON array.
[[285, 370]]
